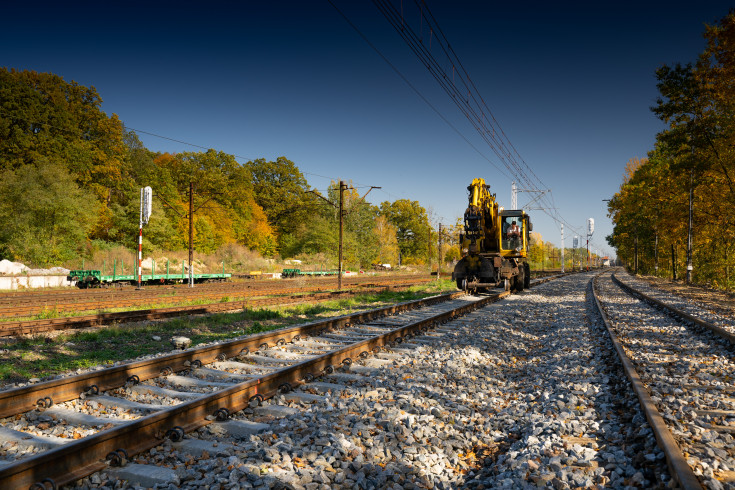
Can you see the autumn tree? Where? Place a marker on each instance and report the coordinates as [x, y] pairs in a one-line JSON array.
[[694, 152], [225, 207], [44, 116], [412, 228], [281, 190], [387, 242]]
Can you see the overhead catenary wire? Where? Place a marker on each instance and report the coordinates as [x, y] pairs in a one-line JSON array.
[[412, 87], [455, 85]]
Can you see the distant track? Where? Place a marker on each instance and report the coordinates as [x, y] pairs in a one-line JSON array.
[[81, 300], [32, 327]]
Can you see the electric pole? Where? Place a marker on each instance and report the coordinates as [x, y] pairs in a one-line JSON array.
[[342, 214], [562, 248], [341, 226], [439, 266], [689, 235], [190, 217], [191, 234]]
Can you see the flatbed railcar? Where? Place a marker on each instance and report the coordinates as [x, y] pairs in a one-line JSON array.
[[288, 273], [88, 278]]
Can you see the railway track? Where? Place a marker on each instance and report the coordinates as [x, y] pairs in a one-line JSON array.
[[88, 300], [34, 327], [59, 431], [82, 303], [194, 388], [681, 368]]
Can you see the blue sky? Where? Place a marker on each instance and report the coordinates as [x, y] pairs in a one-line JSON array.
[[571, 86]]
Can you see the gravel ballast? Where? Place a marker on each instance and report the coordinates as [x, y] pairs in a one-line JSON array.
[[688, 372], [524, 393]]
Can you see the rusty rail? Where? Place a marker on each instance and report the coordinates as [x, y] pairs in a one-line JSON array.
[[77, 459], [31, 327], [675, 312], [677, 464]]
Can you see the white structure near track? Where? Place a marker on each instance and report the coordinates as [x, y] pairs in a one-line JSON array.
[[14, 275]]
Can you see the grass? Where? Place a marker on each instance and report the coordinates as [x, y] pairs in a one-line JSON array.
[[41, 356], [48, 313]]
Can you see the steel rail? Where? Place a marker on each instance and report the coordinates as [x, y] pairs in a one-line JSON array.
[[80, 458], [18, 400], [30, 327], [675, 312], [676, 462], [92, 297], [125, 300], [157, 289]]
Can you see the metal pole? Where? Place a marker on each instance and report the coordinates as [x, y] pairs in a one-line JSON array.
[[191, 234], [655, 253], [588, 253], [341, 225], [439, 266], [673, 262], [635, 262], [689, 235], [562, 248], [428, 250]]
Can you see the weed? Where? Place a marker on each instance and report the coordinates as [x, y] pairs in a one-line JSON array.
[[48, 313]]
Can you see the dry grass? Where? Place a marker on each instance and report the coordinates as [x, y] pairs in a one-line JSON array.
[[236, 259]]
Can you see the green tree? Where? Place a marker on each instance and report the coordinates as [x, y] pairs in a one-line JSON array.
[[43, 116], [225, 210], [281, 190], [44, 215], [412, 228]]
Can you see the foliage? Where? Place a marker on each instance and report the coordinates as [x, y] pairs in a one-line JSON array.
[[72, 179], [44, 215], [361, 236], [41, 115], [385, 234], [695, 152], [281, 190], [412, 228]]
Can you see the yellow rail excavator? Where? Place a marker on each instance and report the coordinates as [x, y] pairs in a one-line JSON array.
[[494, 244]]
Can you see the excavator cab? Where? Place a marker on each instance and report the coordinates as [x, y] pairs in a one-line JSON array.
[[514, 226]]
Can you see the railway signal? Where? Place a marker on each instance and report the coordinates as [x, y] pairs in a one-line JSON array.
[[146, 207], [590, 231]]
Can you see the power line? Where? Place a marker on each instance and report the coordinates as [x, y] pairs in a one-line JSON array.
[[456, 83], [412, 87]]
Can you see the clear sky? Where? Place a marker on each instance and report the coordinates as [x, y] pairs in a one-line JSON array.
[[570, 83]]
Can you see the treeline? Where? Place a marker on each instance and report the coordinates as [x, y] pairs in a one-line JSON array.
[[693, 156], [70, 179]]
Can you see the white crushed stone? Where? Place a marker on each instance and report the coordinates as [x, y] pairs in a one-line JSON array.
[[685, 370], [688, 305], [524, 393]]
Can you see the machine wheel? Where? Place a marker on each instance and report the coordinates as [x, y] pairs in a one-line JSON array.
[[519, 281], [526, 275]]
